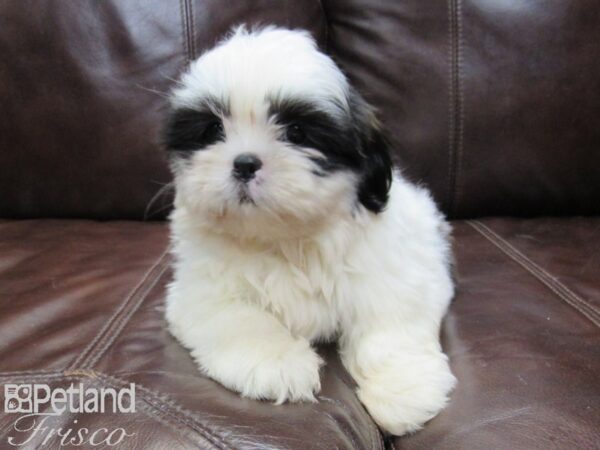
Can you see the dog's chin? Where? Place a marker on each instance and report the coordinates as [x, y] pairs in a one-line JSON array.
[[249, 223]]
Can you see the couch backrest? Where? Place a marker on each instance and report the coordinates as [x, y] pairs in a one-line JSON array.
[[494, 104]]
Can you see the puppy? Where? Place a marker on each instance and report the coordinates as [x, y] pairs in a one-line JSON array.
[[291, 227]]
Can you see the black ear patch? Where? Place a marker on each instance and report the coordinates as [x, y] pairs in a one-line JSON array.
[[376, 167], [376, 177]]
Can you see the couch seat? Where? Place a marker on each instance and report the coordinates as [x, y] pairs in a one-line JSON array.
[[82, 302]]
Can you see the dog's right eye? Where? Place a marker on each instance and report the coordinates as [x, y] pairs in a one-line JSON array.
[[190, 130], [213, 132]]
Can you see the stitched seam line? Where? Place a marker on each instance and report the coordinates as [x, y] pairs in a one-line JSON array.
[[16, 373], [451, 103], [346, 432], [458, 154], [156, 407], [7, 378], [326, 21], [157, 412], [455, 102], [119, 323], [80, 361], [374, 437], [171, 409], [555, 286], [192, 30], [187, 25], [373, 429], [543, 273], [182, 12]]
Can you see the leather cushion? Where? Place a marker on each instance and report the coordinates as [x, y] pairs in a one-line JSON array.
[[523, 338], [83, 89], [493, 105], [83, 301]]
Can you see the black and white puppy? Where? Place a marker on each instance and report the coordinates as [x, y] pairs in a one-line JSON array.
[[291, 227]]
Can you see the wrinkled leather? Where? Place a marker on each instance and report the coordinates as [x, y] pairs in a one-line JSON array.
[[83, 302]]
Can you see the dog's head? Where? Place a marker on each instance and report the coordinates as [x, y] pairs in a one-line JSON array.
[[267, 139]]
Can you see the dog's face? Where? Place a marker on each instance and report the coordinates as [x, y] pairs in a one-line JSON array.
[[268, 141]]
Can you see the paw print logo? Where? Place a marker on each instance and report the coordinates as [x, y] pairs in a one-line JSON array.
[[17, 398]]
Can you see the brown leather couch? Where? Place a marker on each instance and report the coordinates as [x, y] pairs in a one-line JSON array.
[[494, 104]]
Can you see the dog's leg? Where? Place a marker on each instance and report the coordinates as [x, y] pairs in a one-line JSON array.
[[247, 350], [402, 374]]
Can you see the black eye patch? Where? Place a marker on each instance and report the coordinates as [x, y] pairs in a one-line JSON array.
[[189, 130], [304, 124]]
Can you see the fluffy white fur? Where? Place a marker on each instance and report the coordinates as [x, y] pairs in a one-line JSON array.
[[256, 283]]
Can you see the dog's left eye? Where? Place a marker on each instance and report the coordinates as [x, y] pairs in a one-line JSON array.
[[295, 134]]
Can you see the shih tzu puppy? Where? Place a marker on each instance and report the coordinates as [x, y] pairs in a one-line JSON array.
[[291, 227]]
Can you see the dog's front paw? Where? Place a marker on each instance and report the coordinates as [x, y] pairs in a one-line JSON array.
[[402, 398], [291, 375]]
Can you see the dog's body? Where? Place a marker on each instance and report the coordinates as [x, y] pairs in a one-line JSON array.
[[310, 237]]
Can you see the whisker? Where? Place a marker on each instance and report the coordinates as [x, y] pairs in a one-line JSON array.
[[155, 197], [174, 80], [154, 91]]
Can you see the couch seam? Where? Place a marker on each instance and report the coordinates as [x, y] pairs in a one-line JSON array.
[[558, 288], [175, 411], [326, 22], [26, 372], [161, 266], [376, 443], [192, 23], [188, 31], [80, 360], [455, 102], [30, 374], [374, 429], [168, 416], [451, 94], [458, 157], [182, 13], [161, 415], [543, 273]]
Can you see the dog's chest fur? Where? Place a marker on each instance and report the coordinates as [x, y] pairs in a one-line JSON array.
[[301, 284]]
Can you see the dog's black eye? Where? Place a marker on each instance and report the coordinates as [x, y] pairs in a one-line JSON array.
[[295, 134], [213, 132], [189, 130]]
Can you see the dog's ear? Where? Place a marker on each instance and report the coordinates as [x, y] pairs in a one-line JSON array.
[[376, 163]]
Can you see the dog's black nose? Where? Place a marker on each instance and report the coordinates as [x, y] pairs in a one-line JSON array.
[[245, 166]]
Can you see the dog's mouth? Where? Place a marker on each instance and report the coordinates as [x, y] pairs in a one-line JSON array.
[[244, 195]]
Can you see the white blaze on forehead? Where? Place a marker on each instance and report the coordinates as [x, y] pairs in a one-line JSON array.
[[252, 66]]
